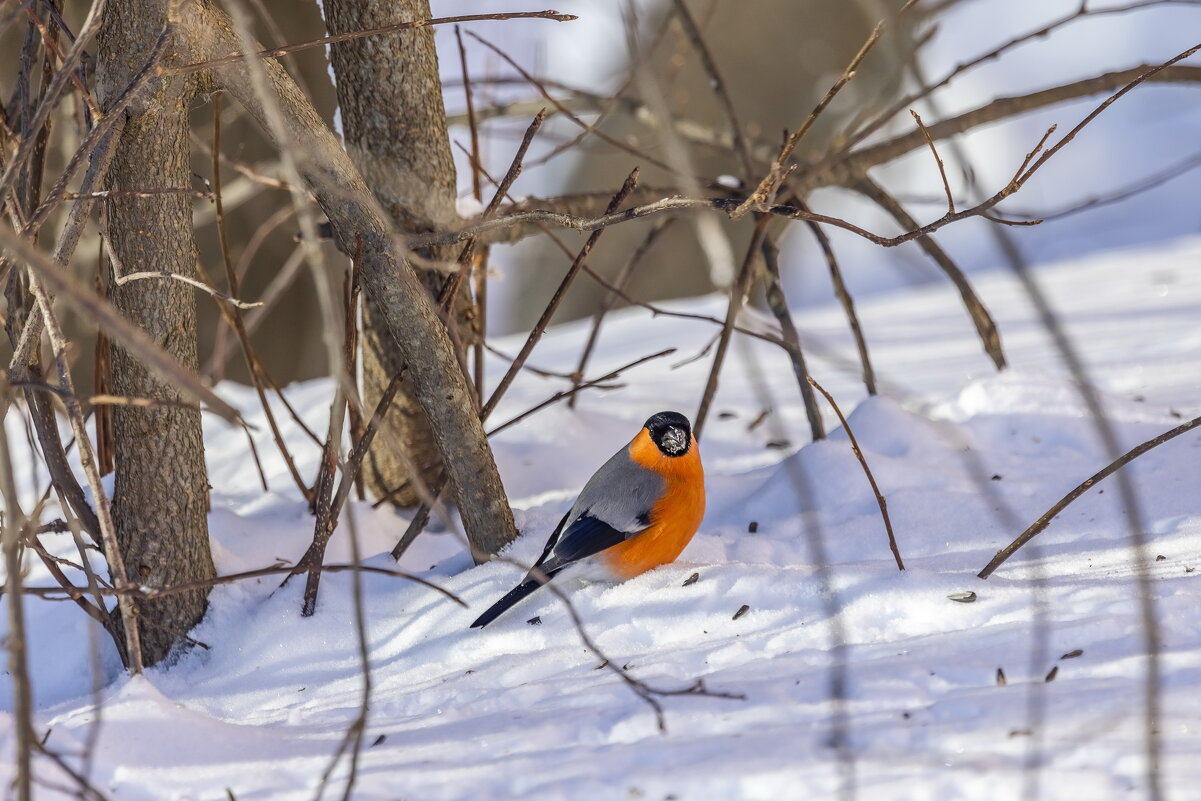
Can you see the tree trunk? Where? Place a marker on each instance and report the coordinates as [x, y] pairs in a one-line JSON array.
[[394, 124], [160, 500]]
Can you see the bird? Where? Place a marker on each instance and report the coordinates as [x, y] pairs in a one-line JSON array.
[[637, 512]]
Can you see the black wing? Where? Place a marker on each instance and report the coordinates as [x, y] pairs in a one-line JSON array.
[[585, 537]]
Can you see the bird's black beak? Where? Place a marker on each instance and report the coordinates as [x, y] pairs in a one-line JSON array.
[[674, 440]]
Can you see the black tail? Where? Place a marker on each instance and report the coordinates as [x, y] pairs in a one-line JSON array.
[[511, 598]]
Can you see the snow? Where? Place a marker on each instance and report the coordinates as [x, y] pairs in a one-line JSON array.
[[966, 458]]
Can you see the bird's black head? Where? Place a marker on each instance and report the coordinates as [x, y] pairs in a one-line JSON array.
[[671, 431]]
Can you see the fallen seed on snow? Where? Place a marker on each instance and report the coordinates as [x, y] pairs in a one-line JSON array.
[[742, 610], [1052, 674], [753, 526], [1072, 654], [963, 597], [379, 740], [693, 579], [1001, 680], [1161, 558], [536, 620]]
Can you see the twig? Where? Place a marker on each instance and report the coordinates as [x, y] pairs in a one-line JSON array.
[[221, 296], [610, 300], [568, 113], [738, 292], [646, 692], [992, 55], [844, 299], [277, 52], [13, 524], [87, 460], [778, 304], [765, 193], [860, 161], [150, 593], [553, 305], [481, 260], [98, 309], [990, 337], [50, 97], [1037, 526], [353, 467], [719, 87], [570, 393], [942, 171], [446, 297], [883, 504]]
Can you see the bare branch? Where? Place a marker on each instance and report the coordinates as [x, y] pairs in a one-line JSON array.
[[236, 56], [221, 296], [942, 171], [553, 305], [883, 504], [96, 308], [764, 194]]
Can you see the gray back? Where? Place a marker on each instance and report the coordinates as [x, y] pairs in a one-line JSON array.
[[619, 493]]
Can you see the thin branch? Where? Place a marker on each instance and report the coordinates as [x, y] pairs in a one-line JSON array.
[[844, 299], [719, 87], [1039, 525], [738, 292], [942, 171], [576, 389], [764, 194], [992, 55], [610, 300], [556, 299], [145, 592], [778, 304], [87, 460], [986, 328], [860, 161], [221, 296], [13, 530], [883, 504], [568, 113], [277, 52], [88, 303], [466, 256]]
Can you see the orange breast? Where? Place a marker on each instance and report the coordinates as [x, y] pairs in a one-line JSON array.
[[674, 519]]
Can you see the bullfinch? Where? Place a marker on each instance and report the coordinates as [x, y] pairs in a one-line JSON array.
[[638, 511]]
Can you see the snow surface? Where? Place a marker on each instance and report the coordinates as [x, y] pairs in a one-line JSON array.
[[966, 458]]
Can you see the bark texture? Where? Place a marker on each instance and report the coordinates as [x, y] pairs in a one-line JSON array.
[[394, 126], [160, 498]]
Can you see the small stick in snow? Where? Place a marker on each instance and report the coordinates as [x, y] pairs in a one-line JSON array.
[[883, 504], [1037, 526]]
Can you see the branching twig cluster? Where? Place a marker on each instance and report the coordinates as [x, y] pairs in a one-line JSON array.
[[775, 188]]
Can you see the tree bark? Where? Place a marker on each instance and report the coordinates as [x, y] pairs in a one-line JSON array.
[[394, 127], [160, 498]]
